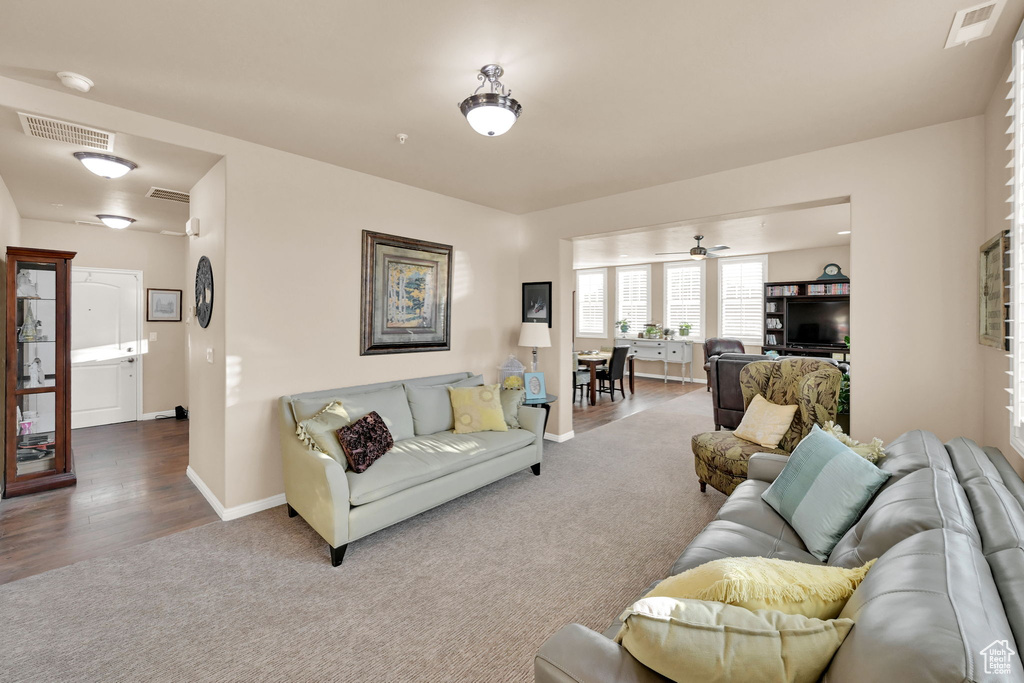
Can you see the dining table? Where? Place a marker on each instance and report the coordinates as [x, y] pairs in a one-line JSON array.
[[594, 360]]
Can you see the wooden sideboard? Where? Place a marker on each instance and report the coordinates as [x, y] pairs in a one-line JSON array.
[[664, 350]]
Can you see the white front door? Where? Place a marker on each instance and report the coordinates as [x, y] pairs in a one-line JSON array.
[[106, 358]]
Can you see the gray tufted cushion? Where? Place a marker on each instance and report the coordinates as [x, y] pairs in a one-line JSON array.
[[722, 538], [922, 500], [924, 613], [745, 506], [999, 515], [913, 451], [969, 460]]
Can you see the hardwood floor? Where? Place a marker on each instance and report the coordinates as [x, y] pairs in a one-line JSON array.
[[649, 392], [131, 488]]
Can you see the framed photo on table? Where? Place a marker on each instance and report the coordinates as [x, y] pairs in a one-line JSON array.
[[535, 388], [163, 305], [405, 295], [537, 302]]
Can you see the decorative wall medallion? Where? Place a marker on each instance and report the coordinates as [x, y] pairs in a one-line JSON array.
[[204, 291]]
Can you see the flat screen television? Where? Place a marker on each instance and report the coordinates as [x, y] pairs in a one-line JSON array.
[[817, 323]]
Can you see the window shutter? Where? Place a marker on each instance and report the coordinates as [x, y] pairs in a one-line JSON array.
[[684, 296], [590, 303], [741, 293], [633, 295], [1016, 254]]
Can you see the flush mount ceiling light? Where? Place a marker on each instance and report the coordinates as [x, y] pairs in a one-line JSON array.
[[69, 79], [106, 165], [491, 113], [115, 222]]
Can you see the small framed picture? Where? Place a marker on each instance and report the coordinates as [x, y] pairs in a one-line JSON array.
[[537, 302], [163, 305], [534, 385]]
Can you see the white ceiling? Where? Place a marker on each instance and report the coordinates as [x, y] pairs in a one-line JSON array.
[[48, 183], [616, 95], [781, 229]]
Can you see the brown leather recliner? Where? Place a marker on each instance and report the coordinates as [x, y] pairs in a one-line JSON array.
[[726, 395], [716, 346]]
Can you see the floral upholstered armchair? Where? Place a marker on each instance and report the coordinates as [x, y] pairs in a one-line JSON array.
[[811, 384]]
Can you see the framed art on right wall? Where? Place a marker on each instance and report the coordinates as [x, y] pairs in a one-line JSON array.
[[993, 290]]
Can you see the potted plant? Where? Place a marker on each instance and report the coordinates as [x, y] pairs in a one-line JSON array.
[[653, 331], [684, 329], [623, 325]]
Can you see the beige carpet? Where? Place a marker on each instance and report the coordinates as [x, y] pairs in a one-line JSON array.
[[465, 592]]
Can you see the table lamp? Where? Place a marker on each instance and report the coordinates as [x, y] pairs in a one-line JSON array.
[[535, 335]]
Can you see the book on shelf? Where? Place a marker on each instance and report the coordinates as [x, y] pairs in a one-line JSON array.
[[834, 288], [784, 290]]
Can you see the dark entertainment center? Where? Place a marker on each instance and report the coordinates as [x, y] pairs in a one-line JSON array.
[[807, 317]]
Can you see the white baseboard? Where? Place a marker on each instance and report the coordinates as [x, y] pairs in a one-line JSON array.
[[237, 511], [159, 413], [672, 378], [559, 438]]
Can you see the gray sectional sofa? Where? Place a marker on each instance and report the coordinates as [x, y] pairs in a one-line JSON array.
[[946, 592], [428, 465]]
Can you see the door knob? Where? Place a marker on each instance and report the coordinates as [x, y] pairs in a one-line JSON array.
[[131, 360]]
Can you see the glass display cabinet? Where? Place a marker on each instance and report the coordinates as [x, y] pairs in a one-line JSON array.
[[38, 424]]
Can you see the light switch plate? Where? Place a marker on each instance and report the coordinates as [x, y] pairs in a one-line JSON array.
[[152, 336], [209, 355]]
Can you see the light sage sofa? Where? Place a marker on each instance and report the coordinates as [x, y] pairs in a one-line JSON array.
[[947, 589], [428, 465]]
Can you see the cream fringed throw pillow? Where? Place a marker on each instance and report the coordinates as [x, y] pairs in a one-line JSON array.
[[755, 583], [872, 451], [477, 409], [710, 642], [320, 431], [765, 423]]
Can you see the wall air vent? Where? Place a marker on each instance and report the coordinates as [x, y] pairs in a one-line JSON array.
[[974, 22], [169, 195], [171, 232], [63, 131]]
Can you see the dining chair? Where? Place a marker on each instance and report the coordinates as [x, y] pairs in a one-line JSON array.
[[582, 377], [614, 370]]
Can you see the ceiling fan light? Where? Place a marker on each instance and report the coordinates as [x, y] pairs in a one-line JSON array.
[[698, 256], [105, 165], [115, 222]]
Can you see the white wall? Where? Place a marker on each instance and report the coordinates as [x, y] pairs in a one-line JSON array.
[[917, 207], [161, 259], [10, 236]]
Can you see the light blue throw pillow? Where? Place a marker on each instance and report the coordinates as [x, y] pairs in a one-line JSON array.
[[822, 490]]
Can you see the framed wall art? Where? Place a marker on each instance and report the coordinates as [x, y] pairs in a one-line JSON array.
[[994, 279], [163, 305], [537, 302], [405, 295]]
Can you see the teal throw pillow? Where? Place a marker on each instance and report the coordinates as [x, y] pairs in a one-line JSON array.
[[822, 490]]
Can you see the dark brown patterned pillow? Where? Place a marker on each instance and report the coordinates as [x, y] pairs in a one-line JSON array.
[[365, 440]]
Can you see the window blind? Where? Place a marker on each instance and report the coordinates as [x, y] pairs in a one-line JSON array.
[[741, 298], [684, 295], [590, 303], [632, 292], [1016, 231]]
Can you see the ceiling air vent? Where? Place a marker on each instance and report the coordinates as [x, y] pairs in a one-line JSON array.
[[169, 195], [63, 131], [171, 232], [974, 22], [89, 223]]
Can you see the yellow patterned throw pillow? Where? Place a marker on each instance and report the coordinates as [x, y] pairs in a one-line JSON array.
[[765, 423], [754, 583], [711, 642], [477, 409]]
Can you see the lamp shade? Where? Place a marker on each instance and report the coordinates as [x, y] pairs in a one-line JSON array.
[[534, 334]]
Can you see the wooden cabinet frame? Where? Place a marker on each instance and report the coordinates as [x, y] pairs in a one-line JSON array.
[[63, 471]]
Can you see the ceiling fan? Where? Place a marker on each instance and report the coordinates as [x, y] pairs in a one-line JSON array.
[[698, 253]]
